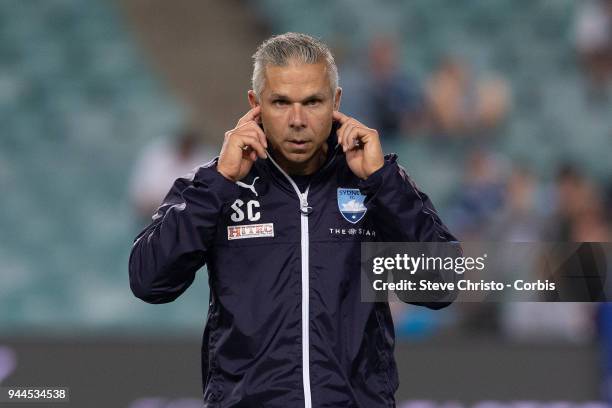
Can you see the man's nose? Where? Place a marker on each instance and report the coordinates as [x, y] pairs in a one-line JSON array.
[[297, 119]]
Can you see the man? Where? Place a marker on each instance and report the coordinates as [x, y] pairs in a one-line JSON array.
[[279, 217], [160, 164]]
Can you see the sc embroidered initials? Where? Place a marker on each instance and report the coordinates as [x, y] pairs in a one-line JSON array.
[[251, 213]]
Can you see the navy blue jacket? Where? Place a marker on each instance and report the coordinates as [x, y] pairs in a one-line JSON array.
[[286, 327]]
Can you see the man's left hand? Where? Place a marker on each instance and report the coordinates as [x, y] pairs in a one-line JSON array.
[[360, 144]]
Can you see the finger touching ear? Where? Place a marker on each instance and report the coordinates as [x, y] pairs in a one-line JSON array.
[[340, 117]]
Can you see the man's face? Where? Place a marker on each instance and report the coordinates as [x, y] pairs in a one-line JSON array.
[[296, 111]]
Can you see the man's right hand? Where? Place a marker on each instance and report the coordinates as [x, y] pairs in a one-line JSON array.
[[242, 146]]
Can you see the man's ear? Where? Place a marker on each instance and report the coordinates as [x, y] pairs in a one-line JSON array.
[[253, 99], [337, 97]]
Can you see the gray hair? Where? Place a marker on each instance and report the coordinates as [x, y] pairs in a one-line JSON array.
[[280, 49]]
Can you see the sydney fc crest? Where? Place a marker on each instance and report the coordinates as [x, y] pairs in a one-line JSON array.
[[350, 204]]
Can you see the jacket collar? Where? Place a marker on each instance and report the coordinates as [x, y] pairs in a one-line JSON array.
[[269, 169]]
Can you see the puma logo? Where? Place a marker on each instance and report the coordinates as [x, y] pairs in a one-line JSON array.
[[249, 186]]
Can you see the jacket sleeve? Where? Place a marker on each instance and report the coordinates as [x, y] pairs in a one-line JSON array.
[[402, 213], [166, 255]]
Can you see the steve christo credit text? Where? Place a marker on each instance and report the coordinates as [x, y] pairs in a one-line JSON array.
[[459, 265]]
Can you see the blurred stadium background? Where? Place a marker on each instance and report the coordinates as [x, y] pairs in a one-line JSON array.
[[501, 110]]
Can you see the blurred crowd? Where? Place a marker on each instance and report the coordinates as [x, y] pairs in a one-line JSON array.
[[594, 44], [159, 164], [453, 102]]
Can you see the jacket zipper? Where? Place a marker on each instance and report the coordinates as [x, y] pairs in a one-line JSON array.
[[305, 209]]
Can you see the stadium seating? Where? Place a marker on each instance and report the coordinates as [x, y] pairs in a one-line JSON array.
[[77, 104]]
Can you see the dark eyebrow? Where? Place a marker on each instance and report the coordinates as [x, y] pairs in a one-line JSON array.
[[316, 96]]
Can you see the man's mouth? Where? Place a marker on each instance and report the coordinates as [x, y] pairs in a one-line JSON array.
[[298, 144]]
